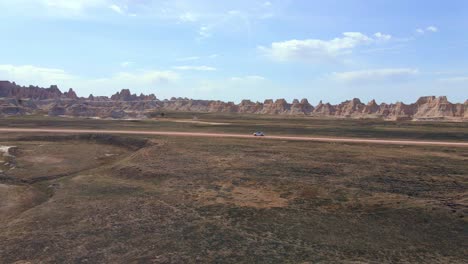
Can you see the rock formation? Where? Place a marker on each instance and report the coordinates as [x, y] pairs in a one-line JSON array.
[[70, 94], [8, 89], [19, 100], [324, 109], [126, 95]]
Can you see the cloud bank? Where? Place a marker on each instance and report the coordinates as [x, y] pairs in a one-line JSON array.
[[315, 50]]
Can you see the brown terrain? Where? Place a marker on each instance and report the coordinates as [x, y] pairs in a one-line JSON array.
[[17, 100], [94, 198], [226, 135]]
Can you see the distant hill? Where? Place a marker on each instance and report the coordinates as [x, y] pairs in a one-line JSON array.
[[20, 100]]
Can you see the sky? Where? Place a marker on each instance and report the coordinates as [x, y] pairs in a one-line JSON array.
[[333, 50]]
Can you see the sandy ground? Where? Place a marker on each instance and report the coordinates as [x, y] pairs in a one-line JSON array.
[[191, 134]]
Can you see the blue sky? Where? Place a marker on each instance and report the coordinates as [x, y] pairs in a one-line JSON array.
[[329, 50]]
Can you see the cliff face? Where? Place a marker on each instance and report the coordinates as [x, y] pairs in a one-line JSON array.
[[12, 90], [18, 100], [126, 95], [324, 109], [13, 106], [70, 94], [430, 107]]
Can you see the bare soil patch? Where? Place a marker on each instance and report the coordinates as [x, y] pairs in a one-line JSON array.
[[43, 159], [244, 196], [36, 159]]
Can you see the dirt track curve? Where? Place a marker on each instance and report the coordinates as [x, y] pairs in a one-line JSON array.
[[191, 134]]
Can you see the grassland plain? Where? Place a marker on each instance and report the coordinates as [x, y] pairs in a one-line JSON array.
[[140, 199], [271, 125]]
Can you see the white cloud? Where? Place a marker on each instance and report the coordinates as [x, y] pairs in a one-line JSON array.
[[382, 37], [375, 75], [136, 81], [204, 32], [29, 74], [192, 58], [194, 68], [248, 78], [116, 9], [61, 8], [65, 9], [33, 75], [456, 79], [188, 17], [241, 86], [234, 13], [233, 88], [207, 17], [76, 5], [126, 64], [318, 50], [430, 29], [142, 77]]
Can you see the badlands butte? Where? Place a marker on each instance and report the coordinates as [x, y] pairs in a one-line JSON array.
[[20, 100]]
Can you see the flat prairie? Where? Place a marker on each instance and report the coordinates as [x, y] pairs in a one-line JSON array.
[[159, 199]]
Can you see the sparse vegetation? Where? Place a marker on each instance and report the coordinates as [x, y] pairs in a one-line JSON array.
[[194, 200], [272, 125]]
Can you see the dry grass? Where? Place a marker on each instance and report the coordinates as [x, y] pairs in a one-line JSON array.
[[198, 200]]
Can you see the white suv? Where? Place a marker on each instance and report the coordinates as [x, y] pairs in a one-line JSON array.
[[258, 134]]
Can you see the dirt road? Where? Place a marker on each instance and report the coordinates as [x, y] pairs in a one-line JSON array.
[[192, 134]]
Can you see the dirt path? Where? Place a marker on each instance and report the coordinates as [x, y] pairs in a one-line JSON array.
[[225, 135]]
